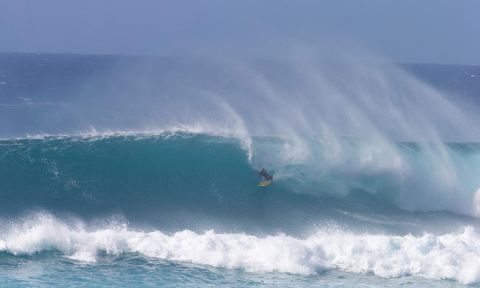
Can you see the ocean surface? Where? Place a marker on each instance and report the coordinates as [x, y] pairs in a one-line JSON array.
[[137, 171]]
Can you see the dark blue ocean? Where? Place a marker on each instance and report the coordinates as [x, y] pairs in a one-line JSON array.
[[143, 171]]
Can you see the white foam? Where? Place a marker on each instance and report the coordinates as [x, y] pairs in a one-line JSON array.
[[449, 256]]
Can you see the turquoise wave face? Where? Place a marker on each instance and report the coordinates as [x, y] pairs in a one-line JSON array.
[[124, 174], [196, 181]]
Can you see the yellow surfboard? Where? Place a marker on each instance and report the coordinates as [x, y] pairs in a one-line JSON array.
[[265, 183]]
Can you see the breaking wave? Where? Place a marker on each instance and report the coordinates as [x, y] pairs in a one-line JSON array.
[[448, 256]]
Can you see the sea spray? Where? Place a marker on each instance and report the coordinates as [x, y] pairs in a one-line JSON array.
[[375, 171]]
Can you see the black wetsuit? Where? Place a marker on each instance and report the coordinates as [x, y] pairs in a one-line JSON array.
[[265, 175]]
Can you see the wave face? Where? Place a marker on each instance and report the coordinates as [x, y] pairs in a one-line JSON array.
[[196, 181], [153, 164]]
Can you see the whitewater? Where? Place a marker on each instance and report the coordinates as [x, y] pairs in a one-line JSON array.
[[148, 168]]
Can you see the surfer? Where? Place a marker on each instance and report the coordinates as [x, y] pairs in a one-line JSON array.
[[263, 173]]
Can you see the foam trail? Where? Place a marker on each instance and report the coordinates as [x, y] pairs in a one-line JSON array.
[[449, 256]]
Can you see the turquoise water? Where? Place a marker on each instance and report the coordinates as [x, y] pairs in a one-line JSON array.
[[119, 209], [140, 172], [138, 271]]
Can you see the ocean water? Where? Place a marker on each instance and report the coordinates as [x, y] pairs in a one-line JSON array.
[[130, 171]]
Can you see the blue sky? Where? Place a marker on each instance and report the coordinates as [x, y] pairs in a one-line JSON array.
[[437, 31]]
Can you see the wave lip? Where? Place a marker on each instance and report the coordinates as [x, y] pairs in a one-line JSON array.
[[448, 256]]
